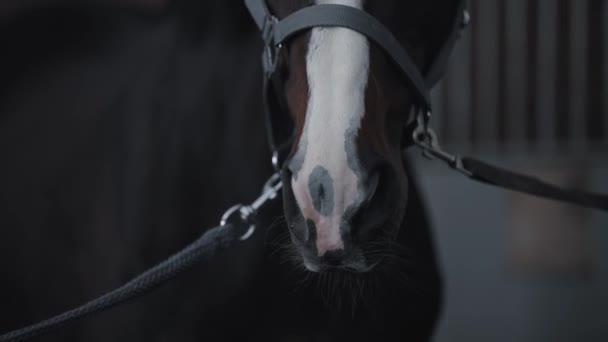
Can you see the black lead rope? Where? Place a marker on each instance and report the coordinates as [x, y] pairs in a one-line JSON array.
[[205, 247], [486, 173], [425, 138], [237, 224]]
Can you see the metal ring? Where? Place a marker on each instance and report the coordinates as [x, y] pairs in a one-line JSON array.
[[228, 214], [421, 137], [275, 161], [466, 19], [235, 215], [248, 233]]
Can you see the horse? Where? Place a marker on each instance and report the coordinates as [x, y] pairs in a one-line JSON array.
[[127, 129]]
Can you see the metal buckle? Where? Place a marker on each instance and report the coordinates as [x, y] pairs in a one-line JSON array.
[[241, 214], [425, 138]]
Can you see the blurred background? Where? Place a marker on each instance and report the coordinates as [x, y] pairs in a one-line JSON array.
[[526, 89]]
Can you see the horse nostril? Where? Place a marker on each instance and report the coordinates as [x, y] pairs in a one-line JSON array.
[[333, 258]]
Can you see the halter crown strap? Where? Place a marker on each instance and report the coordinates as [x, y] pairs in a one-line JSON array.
[[276, 32]]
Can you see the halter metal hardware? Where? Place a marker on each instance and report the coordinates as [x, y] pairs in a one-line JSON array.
[[466, 19], [270, 58], [245, 215], [275, 161], [425, 138], [271, 48]]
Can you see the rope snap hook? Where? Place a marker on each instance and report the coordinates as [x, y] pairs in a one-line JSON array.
[[244, 216]]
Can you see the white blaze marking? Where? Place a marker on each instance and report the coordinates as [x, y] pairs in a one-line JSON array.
[[337, 68]]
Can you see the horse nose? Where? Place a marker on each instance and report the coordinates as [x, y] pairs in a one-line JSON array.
[[326, 204]]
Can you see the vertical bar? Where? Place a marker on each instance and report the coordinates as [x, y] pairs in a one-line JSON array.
[[562, 71], [532, 62], [458, 88], [487, 69], [578, 71], [604, 47], [501, 121], [595, 61], [516, 70], [474, 62], [546, 70]]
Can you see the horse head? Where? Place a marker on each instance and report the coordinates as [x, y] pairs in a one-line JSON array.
[[345, 184]]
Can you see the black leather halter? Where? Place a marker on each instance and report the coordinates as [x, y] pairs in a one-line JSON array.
[[276, 32]]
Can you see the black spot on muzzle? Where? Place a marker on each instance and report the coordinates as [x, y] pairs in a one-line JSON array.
[[321, 188]]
